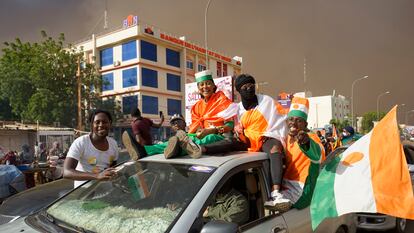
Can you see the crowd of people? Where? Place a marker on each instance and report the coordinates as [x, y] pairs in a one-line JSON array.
[[217, 126], [39, 154]]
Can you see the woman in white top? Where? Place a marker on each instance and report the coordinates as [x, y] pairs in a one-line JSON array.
[[92, 156]]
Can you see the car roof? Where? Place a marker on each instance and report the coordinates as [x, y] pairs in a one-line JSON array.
[[207, 160]]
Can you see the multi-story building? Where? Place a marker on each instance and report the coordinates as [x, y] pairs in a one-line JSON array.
[[322, 109], [144, 67]]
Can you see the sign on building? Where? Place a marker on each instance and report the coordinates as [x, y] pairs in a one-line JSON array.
[[131, 20]]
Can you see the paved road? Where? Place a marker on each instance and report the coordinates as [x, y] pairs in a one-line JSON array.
[[409, 229]]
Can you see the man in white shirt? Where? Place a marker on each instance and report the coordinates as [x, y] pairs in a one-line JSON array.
[[92, 156]]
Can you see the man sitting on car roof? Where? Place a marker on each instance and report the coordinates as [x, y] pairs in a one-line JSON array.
[[304, 154]]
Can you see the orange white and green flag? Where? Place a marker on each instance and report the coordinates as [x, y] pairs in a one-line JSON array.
[[370, 176], [337, 143]]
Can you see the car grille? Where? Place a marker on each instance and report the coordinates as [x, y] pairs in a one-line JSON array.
[[5, 219]]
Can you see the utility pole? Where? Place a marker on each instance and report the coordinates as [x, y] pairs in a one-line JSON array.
[[79, 90]]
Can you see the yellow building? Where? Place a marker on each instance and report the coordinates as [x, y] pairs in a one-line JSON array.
[[144, 67]]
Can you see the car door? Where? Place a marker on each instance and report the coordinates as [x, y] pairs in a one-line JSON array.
[[271, 222]]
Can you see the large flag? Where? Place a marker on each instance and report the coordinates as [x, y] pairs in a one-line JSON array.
[[370, 176]]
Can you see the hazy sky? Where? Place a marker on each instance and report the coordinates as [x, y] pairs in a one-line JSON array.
[[341, 40]]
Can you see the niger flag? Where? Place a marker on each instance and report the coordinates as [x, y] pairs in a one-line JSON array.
[[370, 176], [337, 143]]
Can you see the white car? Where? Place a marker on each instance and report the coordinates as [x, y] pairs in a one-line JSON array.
[[159, 195]]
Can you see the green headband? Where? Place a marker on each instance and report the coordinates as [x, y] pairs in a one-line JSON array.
[[204, 78], [298, 113]]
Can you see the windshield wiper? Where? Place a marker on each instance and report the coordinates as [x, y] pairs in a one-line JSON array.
[[51, 219]]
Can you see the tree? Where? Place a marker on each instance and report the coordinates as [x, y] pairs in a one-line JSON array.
[[368, 120], [6, 110], [39, 80], [339, 124]]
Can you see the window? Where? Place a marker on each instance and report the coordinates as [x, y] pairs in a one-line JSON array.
[[129, 50], [106, 57], [129, 77], [173, 82], [173, 106], [218, 69], [108, 82], [190, 64], [173, 58], [129, 103], [224, 70], [149, 77], [149, 104], [148, 51], [201, 67], [245, 180]]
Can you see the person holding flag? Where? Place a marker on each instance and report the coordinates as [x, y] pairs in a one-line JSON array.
[[304, 154], [214, 112], [335, 141], [370, 176], [263, 127], [212, 123]]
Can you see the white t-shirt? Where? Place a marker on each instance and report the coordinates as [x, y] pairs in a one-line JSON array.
[[91, 159]]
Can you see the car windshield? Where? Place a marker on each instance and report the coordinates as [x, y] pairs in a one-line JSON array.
[[145, 197]]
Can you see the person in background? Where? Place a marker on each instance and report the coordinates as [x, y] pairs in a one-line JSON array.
[[141, 130], [304, 154], [25, 155], [349, 136], [324, 141], [42, 153], [55, 150], [92, 156], [330, 142], [263, 127]]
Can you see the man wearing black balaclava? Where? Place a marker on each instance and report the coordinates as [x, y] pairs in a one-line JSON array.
[[264, 128], [248, 93]]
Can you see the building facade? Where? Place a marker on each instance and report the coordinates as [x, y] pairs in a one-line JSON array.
[[324, 108], [144, 67]]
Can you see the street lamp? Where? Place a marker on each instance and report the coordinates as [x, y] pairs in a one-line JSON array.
[[205, 32], [352, 98], [406, 116], [378, 99]]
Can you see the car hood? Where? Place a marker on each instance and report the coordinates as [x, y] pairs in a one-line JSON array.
[[17, 226], [31, 200]]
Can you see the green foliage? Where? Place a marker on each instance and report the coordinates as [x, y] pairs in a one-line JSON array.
[[6, 110], [368, 120], [39, 80], [339, 124]]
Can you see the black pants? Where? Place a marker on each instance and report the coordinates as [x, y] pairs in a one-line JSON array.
[[274, 149], [224, 146]]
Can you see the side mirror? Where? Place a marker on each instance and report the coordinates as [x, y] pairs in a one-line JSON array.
[[217, 226]]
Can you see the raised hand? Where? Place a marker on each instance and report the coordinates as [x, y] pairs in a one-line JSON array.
[[302, 137]]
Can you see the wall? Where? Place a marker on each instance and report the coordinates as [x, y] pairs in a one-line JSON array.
[[14, 139]]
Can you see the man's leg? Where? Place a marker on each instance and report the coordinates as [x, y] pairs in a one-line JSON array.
[[224, 146], [173, 148], [274, 149], [135, 150], [188, 145]]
